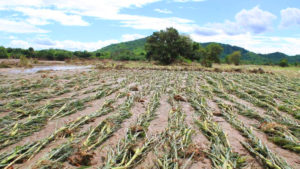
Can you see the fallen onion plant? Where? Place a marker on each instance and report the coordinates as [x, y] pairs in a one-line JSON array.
[[128, 152], [254, 144]]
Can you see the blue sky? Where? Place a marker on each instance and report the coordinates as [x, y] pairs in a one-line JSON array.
[[262, 26]]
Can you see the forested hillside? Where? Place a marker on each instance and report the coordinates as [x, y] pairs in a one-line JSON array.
[[134, 50], [248, 57]]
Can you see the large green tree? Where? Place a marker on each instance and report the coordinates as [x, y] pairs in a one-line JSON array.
[[167, 45], [3, 52], [213, 51], [198, 52], [30, 53]]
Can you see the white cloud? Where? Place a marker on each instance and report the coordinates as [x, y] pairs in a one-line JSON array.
[[12, 26], [19, 44], [42, 17], [12, 3], [189, 0], [142, 22], [70, 12], [254, 21], [255, 43], [65, 44], [104, 9], [207, 31], [46, 43], [12, 37], [130, 37], [290, 16], [164, 11]]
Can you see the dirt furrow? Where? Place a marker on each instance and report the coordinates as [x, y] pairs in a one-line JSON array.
[[234, 137], [197, 137], [101, 152], [291, 157], [160, 123]]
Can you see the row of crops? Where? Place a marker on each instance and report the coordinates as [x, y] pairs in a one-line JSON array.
[[105, 119]]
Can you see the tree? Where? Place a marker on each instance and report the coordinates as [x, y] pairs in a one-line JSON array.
[[45, 54], [205, 60], [228, 59], [9, 50], [210, 54], [283, 63], [198, 52], [84, 54], [3, 53], [30, 52], [49, 55], [214, 51], [62, 55], [185, 47], [234, 58], [98, 54], [167, 45]]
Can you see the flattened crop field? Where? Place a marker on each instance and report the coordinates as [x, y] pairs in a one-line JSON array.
[[149, 119]]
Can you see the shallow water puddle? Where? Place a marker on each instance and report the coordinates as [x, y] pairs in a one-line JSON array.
[[46, 68]]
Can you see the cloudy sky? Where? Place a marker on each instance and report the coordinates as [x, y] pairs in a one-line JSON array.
[[261, 26]]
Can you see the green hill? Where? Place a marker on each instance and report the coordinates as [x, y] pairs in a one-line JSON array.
[[248, 57], [137, 46]]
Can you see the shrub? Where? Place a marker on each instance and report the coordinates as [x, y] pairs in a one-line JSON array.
[[283, 63], [62, 55], [24, 62], [234, 58]]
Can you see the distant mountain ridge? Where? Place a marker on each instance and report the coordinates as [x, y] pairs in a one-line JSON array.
[[248, 57]]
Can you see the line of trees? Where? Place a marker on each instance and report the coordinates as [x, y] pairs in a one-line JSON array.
[[47, 54], [59, 54]]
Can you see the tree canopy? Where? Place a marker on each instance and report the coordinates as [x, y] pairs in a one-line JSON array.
[[3, 52], [167, 45], [214, 51], [283, 63]]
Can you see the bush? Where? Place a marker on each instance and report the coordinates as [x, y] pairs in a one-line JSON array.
[[84, 54], [45, 54], [125, 54], [98, 54], [4, 65], [185, 60], [24, 62], [206, 63], [234, 57], [62, 55], [283, 63]]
